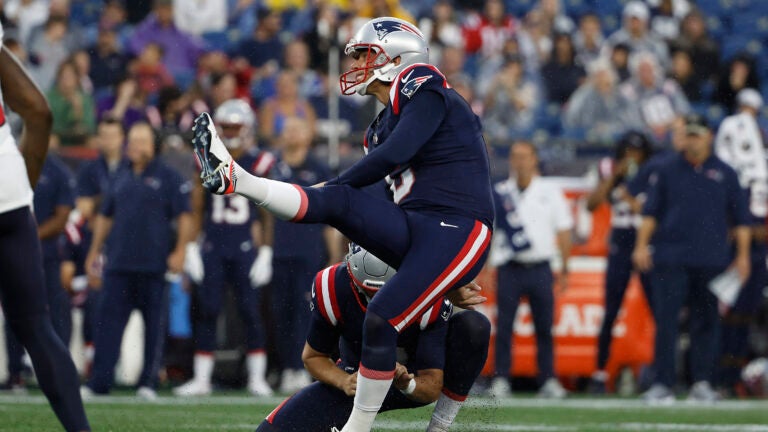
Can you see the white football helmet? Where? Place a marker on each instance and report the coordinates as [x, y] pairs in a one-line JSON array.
[[381, 41], [368, 273], [235, 113]]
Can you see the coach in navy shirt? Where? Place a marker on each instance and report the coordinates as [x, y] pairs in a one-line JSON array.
[[693, 203], [137, 214]]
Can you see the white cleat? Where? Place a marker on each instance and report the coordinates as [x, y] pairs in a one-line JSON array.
[[193, 388], [333, 429], [146, 393], [659, 394], [552, 390], [86, 394], [217, 166], [259, 388], [294, 380], [500, 388]]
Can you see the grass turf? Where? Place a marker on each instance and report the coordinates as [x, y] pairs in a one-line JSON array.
[[233, 412]]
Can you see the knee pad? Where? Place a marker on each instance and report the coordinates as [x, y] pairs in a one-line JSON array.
[[470, 328], [379, 343]]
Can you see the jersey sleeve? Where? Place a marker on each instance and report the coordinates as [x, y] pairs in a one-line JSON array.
[[180, 192], [323, 335], [563, 214], [430, 349], [66, 188], [419, 121], [87, 181], [413, 82], [657, 189], [738, 205], [263, 164], [108, 202]]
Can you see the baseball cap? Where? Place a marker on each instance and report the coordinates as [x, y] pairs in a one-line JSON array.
[[696, 125], [636, 9], [749, 97]]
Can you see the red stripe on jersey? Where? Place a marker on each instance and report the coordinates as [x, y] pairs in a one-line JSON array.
[[398, 83], [376, 375], [271, 416], [319, 295], [471, 250], [303, 206], [332, 293], [263, 164], [204, 353], [454, 396]]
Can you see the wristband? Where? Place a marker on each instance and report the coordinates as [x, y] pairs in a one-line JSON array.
[[411, 387]]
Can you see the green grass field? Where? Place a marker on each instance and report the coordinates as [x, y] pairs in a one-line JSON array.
[[234, 412]]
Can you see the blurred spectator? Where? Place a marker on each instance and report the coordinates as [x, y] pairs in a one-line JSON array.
[[667, 15], [383, 8], [136, 11], [485, 34], [596, 107], [114, 17], [705, 53], [263, 48], [588, 39], [561, 75], [107, 61], [53, 200], [126, 103], [534, 224], [511, 103], [535, 39], [83, 66], [321, 34], [149, 70], [49, 48], [297, 61], [73, 111], [682, 71], [452, 62], [653, 102], [286, 103], [136, 229], [200, 16], [299, 251], [223, 87], [693, 210], [171, 116], [181, 49], [636, 35], [740, 143], [619, 56], [739, 74], [441, 29], [26, 14], [554, 19]]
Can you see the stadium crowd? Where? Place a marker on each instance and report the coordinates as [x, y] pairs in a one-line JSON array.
[[569, 76]]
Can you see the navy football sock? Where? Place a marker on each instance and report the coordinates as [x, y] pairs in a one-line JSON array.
[[54, 368], [468, 335]]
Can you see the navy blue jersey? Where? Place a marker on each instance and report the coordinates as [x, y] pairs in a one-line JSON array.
[[694, 208], [429, 145], [300, 240], [142, 207], [94, 177], [338, 312], [56, 187], [228, 218]]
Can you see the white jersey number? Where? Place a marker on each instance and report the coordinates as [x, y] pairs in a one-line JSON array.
[[233, 209], [402, 185]]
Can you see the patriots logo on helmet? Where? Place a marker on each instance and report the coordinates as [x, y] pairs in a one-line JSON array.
[[411, 86], [383, 28]]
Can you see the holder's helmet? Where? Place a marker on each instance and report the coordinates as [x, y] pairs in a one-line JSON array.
[[368, 273]]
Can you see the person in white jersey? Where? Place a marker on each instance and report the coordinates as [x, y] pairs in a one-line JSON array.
[[22, 287]]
